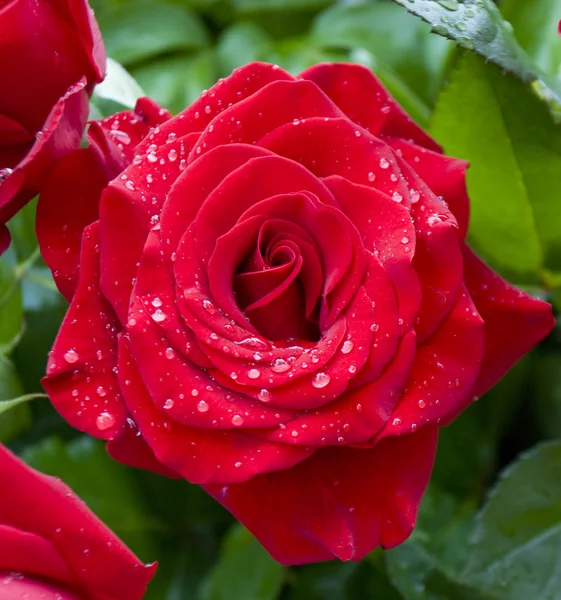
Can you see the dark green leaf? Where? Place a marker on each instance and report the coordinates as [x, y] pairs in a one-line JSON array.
[[268, 5], [11, 310], [535, 27], [244, 570], [478, 25], [514, 148], [515, 549]]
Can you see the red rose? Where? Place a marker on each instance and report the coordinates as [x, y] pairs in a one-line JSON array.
[[277, 302], [52, 55], [51, 543]]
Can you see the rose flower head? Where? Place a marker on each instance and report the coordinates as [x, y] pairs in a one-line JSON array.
[[52, 547], [275, 300], [52, 55]]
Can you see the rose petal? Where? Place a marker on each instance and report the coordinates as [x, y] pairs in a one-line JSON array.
[[361, 96], [101, 565], [514, 321], [445, 370], [80, 378], [200, 455], [340, 503]]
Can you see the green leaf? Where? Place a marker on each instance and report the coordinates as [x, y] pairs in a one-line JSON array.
[[138, 30], [535, 27], [107, 487], [506, 133], [478, 25], [11, 310], [419, 576], [415, 56], [176, 81], [244, 570], [515, 549], [15, 415], [118, 86]]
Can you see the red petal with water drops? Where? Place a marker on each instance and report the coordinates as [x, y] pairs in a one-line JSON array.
[[340, 503], [276, 104], [116, 138], [80, 380], [361, 96], [68, 203], [445, 176], [335, 146], [514, 321], [201, 455], [101, 566], [131, 449], [23, 551], [135, 198], [445, 370]]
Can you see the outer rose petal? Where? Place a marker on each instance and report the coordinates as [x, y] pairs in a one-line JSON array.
[[108, 570], [81, 380], [514, 321], [68, 203], [349, 86], [61, 133], [340, 503]]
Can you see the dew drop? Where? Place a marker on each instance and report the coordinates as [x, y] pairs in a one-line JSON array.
[[264, 395], [347, 347], [172, 155], [371, 176], [101, 391], [320, 380], [384, 163], [396, 422], [156, 303], [105, 421], [421, 403], [202, 406], [280, 365], [237, 420], [168, 404], [254, 373], [209, 307], [158, 316], [71, 356], [397, 197]]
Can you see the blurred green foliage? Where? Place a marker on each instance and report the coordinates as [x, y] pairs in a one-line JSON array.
[[470, 544]]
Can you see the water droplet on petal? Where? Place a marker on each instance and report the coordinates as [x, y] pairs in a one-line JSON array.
[[202, 406], [264, 395], [347, 347], [237, 420], [105, 421], [158, 316], [168, 404], [71, 356], [280, 365], [253, 373], [384, 163], [101, 391], [156, 303], [320, 380]]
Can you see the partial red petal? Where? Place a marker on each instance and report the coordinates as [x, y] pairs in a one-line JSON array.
[[102, 567], [80, 378], [68, 203], [514, 321], [361, 96], [340, 503]]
